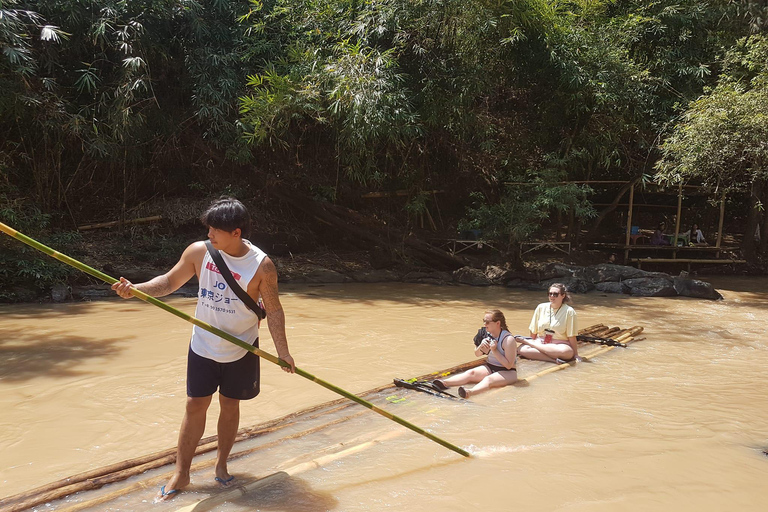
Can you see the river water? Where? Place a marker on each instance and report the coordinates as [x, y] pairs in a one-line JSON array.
[[677, 421]]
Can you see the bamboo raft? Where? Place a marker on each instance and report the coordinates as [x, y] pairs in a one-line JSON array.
[[292, 426]]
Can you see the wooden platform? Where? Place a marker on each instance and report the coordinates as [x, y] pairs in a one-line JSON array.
[[662, 248], [687, 261], [664, 254], [526, 247]]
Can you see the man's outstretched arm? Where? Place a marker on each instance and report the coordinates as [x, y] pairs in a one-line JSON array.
[[170, 281]]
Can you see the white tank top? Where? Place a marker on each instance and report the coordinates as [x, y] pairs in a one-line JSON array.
[[220, 307]]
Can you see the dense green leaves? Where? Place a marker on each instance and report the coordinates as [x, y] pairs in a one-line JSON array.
[[723, 136], [120, 101]]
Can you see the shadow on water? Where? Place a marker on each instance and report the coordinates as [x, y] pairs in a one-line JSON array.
[[290, 494], [24, 356], [73, 310]]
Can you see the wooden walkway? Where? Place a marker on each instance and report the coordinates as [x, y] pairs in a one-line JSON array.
[[698, 254]]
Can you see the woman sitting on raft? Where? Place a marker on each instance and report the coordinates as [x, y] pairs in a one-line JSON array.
[[553, 330], [498, 370]]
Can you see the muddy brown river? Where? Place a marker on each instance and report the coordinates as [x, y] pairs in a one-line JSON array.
[[678, 421]]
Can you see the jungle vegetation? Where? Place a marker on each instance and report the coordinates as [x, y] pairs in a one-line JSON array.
[[489, 108]]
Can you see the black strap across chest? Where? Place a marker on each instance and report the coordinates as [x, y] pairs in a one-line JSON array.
[[229, 278]]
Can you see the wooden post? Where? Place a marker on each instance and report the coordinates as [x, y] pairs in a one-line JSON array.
[[720, 223], [629, 223], [677, 221]]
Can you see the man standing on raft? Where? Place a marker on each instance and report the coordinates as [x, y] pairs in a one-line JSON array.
[[214, 363]]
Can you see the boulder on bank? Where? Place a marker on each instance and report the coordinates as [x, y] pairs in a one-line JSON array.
[[609, 278], [573, 284], [318, 274], [375, 276], [612, 287], [695, 288], [499, 275], [60, 292], [471, 276], [436, 277], [651, 287]]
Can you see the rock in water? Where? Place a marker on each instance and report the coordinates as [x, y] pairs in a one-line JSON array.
[[60, 292], [695, 288]]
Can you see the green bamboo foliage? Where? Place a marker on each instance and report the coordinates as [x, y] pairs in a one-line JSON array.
[[116, 100]]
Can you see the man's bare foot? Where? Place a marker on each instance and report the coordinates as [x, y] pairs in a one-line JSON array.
[[172, 488], [223, 477]]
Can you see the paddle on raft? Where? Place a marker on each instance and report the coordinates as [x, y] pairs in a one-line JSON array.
[[218, 332]]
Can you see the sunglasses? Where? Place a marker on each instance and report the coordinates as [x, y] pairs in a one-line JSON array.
[[554, 294], [486, 322]]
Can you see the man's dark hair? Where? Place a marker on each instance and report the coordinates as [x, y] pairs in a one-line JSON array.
[[227, 214]]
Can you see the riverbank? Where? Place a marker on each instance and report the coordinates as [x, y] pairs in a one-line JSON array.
[[140, 256], [603, 278]]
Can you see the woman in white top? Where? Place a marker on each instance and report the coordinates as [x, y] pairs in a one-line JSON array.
[[553, 329], [695, 236]]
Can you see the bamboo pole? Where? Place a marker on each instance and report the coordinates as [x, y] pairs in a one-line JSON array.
[[720, 222], [113, 223], [222, 334], [677, 220], [629, 222]]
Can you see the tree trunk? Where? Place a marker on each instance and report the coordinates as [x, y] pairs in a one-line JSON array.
[[592, 231], [764, 225], [748, 245]]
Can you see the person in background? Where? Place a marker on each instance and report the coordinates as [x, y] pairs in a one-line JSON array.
[[553, 329], [658, 237], [214, 364], [695, 236], [499, 369]]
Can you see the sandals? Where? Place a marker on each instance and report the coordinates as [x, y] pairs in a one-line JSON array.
[[439, 385]]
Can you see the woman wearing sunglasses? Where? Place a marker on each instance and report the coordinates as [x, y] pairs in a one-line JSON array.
[[499, 368], [553, 329]]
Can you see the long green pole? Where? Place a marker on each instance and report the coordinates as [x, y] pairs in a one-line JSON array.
[[218, 332]]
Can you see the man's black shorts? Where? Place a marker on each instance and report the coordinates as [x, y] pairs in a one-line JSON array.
[[238, 380]]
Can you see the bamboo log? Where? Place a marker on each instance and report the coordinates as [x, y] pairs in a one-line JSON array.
[[557, 368], [603, 333], [136, 466], [196, 467], [589, 331], [241, 490], [113, 223]]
